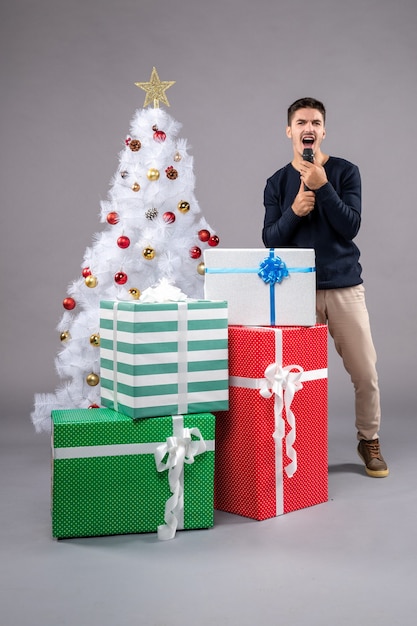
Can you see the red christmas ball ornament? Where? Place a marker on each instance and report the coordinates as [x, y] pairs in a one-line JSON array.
[[168, 217], [69, 303], [112, 218], [120, 278], [123, 242], [86, 272], [204, 235], [213, 241], [159, 136], [195, 252]]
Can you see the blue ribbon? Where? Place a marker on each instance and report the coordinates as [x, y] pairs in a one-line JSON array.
[[271, 270]]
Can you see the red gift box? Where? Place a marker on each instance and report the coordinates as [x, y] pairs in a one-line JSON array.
[[271, 445]]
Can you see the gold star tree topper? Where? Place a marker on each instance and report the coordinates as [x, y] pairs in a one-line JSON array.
[[155, 90]]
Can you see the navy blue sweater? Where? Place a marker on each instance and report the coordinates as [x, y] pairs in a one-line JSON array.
[[330, 228]]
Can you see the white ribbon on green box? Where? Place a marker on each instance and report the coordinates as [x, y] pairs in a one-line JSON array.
[[177, 450], [283, 383]]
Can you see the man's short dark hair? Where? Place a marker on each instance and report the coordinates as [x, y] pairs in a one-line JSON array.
[[306, 103]]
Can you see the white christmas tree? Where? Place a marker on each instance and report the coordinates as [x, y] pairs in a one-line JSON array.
[[154, 230]]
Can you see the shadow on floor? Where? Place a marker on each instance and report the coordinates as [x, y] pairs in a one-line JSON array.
[[348, 468]]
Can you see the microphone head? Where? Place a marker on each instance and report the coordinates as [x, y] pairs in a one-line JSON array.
[[308, 155]]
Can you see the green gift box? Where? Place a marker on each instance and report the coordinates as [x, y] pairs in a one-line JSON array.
[[165, 358], [114, 475]]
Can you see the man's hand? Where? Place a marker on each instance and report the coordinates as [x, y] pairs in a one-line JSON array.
[[303, 202], [313, 175]]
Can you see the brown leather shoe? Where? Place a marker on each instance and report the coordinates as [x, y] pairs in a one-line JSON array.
[[370, 453]]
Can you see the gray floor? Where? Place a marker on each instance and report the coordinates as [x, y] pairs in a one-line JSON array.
[[349, 561]]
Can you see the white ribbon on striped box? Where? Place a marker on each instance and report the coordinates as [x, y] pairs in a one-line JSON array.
[[181, 356]]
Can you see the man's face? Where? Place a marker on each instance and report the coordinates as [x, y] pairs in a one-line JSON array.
[[306, 130]]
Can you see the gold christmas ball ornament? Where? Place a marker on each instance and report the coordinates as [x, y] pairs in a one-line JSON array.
[[92, 379], [95, 340], [91, 281], [153, 174], [148, 253], [135, 187], [65, 335], [135, 293], [177, 157], [183, 206], [201, 269]]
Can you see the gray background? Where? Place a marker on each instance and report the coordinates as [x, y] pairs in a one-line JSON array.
[[67, 97]]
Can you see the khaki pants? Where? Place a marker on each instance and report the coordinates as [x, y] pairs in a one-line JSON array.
[[345, 312]]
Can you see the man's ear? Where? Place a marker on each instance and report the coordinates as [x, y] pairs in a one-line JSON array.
[[288, 132]]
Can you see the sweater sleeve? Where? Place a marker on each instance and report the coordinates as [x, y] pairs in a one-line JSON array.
[[342, 208], [279, 225]]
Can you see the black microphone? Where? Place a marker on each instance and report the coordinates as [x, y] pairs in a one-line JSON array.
[[308, 155]]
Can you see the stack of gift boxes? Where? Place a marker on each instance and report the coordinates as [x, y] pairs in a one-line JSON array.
[[213, 404]]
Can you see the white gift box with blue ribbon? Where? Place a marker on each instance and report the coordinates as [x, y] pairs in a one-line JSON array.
[[263, 287]]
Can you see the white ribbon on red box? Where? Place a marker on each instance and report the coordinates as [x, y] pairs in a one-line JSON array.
[[278, 380], [283, 382]]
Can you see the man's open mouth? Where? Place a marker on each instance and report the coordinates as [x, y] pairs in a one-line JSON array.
[[308, 140]]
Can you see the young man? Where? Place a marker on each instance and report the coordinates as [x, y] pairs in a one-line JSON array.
[[318, 205]]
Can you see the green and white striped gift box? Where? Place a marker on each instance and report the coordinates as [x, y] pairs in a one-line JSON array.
[[166, 358]]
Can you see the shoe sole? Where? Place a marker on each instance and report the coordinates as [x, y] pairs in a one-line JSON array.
[[374, 473]]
